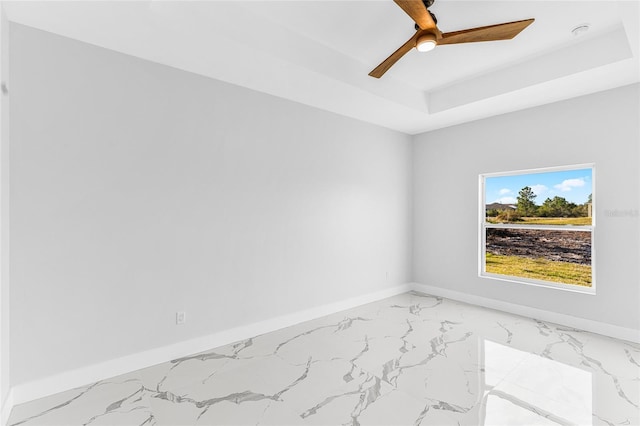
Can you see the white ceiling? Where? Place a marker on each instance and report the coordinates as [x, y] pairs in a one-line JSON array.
[[320, 52]]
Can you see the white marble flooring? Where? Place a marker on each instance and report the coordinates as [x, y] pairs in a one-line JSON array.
[[407, 360]]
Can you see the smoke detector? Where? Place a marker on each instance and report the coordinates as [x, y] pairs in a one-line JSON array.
[[580, 30]]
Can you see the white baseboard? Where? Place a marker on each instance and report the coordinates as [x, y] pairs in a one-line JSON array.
[[605, 329], [90, 374], [7, 405]]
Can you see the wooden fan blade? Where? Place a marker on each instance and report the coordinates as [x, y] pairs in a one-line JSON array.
[[418, 12], [395, 57], [505, 31]]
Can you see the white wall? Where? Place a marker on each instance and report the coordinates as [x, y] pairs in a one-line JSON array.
[[5, 383], [602, 128], [139, 190]]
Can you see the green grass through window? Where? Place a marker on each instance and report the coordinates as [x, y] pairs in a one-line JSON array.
[[539, 269]]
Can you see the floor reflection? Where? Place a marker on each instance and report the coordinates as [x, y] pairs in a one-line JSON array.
[[523, 389]]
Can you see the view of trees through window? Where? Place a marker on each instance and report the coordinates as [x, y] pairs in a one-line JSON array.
[[537, 226]]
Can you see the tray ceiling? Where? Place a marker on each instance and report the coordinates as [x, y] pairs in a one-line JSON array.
[[320, 52]]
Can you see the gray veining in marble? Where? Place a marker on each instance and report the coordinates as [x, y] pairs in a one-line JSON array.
[[408, 360]]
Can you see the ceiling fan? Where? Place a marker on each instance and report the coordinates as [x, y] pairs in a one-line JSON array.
[[428, 35]]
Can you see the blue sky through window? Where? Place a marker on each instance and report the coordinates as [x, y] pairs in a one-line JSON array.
[[573, 185]]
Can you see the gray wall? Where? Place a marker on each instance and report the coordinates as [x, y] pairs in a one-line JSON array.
[[602, 128], [139, 190], [5, 304]]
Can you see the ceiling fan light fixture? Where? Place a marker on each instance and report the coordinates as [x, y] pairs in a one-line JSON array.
[[428, 35], [426, 42]]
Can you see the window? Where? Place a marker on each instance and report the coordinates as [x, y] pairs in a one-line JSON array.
[[537, 227]]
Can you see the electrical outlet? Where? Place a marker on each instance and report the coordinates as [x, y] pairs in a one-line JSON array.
[[181, 318]]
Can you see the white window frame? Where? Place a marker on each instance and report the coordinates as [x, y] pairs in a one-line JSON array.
[[484, 225]]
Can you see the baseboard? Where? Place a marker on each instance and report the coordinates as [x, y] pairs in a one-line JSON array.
[[93, 373], [90, 374], [605, 329], [7, 405]]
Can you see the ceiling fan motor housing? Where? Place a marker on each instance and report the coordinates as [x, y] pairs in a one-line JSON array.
[[435, 20]]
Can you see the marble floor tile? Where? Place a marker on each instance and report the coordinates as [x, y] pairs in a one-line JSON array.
[[411, 359]]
